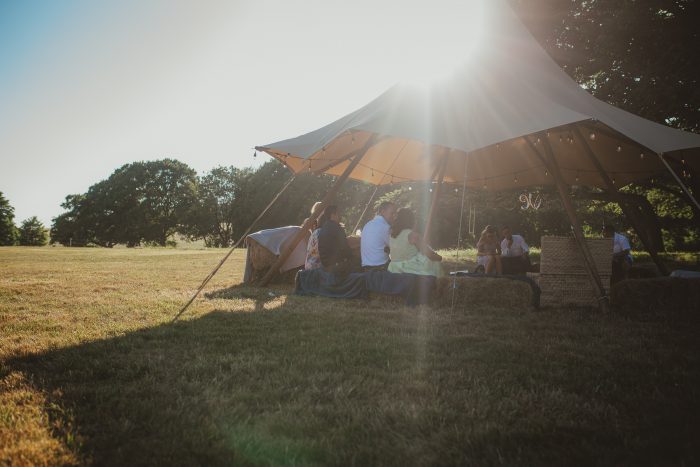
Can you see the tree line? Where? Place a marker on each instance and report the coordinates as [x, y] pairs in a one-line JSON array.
[[154, 202]]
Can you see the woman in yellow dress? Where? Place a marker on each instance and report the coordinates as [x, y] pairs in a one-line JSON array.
[[408, 251]]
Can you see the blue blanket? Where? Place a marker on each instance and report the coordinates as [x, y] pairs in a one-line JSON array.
[[414, 289]]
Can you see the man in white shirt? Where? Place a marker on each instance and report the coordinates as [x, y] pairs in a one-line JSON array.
[[622, 257], [374, 241], [515, 257]]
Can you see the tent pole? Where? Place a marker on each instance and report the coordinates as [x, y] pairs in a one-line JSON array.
[[436, 197], [680, 182], [618, 199], [328, 199], [235, 245], [364, 211], [575, 223]]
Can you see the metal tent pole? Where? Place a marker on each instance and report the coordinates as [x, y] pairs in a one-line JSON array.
[[618, 199]]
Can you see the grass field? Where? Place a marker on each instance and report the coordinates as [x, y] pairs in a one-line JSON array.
[[93, 371]]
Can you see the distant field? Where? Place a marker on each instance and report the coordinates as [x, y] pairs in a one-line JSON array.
[[92, 371]]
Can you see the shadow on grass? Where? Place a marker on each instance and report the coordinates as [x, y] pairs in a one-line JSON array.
[[350, 387]]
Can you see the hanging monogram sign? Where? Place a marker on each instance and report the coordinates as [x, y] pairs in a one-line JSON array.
[[530, 202]]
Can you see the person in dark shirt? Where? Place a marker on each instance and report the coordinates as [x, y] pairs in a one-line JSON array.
[[333, 248]]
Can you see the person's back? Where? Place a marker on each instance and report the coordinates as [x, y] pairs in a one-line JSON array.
[[409, 253], [374, 240], [401, 248]]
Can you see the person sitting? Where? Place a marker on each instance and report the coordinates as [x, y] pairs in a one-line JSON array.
[[374, 241], [515, 258], [409, 253], [622, 256], [488, 254], [313, 259], [333, 249]]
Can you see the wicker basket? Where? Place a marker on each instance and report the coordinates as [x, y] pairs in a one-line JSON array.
[[564, 279]]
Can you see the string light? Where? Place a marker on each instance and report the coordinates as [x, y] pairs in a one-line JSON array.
[[592, 136], [410, 188], [641, 155], [561, 140], [538, 140], [619, 149], [546, 173], [430, 190], [456, 190]]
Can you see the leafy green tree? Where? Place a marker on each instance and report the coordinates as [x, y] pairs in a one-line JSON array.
[[33, 233], [219, 208], [8, 231], [139, 202]]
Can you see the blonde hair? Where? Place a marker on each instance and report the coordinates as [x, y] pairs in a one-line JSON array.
[[315, 207]]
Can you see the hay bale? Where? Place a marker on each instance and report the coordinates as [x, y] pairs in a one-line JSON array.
[[665, 297], [483, 291], [261, 259]]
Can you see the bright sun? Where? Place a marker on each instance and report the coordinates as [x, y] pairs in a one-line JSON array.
[[449, 41]]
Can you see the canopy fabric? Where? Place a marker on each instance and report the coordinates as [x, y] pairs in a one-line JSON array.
[[481, 118]]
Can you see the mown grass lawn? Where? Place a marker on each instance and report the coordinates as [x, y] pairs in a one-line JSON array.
[[93, 371]]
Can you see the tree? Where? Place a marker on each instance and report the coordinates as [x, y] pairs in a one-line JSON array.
[[8, 231], [33, 233], [139, 202]]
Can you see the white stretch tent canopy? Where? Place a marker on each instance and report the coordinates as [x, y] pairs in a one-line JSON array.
[[508, 90]]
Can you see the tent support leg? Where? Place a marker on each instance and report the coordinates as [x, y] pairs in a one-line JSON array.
[[618, 199], [593, 274], [680, 182], [364, 211], [235, 245], [436, 198], [328, 199]]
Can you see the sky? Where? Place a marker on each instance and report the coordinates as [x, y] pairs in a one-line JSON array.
[[88, 86]]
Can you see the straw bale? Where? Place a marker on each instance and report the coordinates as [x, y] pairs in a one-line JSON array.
[[668, 297], [483, 291]]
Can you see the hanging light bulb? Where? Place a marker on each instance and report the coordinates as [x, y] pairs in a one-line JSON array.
[[430, 190], [547, 134], [538, 140], [613, 181], [546, 173], [641, 155], [410, 188], [456, 190], [515, 179], [619, 149], [592, 136], [561, 139]]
